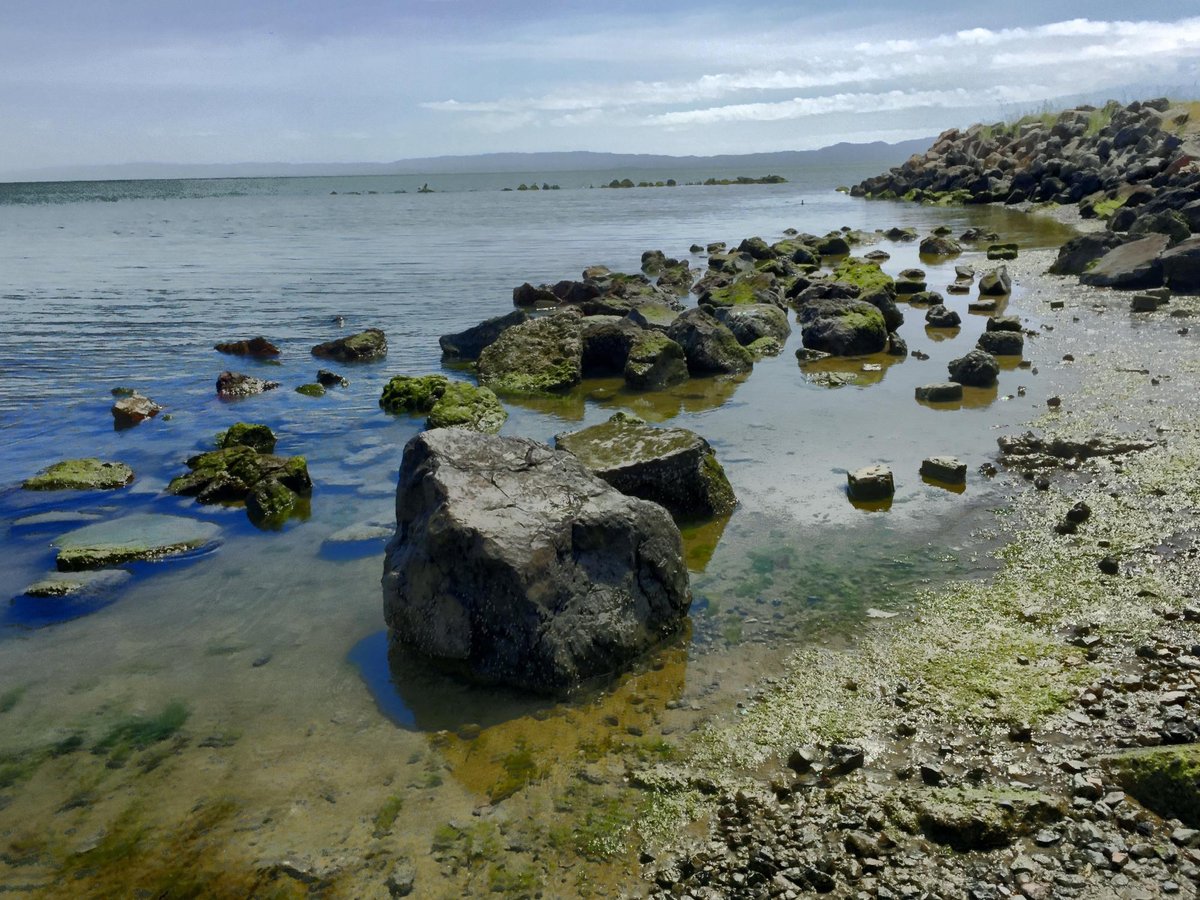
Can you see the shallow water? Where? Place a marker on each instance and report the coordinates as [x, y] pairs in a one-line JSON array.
[[273, 640]]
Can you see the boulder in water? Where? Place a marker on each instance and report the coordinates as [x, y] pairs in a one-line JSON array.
[[258, 346], [536, 357], [977, 369], [132, 538], [843, 327], [132, 410], [362, 347], [709, 346], [89, 474], [655, 361], [234, 385], [470, 343]]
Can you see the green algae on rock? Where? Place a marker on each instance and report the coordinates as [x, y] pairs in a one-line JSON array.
[[88, 474], [140, 537], [413, 394], [862, 273], [673, 467], [655, 361], [314, 389], [245, 434], [541, 356], [69, 584], [1165, 780], [362, 347], [464, 405], [238, 473]]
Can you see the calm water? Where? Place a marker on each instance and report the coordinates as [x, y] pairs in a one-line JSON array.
[[277, 636]]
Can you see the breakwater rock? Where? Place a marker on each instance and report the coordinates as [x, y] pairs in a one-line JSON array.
[[515, 564]]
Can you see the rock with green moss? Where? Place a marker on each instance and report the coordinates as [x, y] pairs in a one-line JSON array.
[[311, 390], [77, 584], [413, 394], [270, 503], [246, 434], [655, 361], [232, 474], [362, 347], [755, 321], [88, 474], [976, 819], [463, 405], [745, 291], [606, 342], [833, 244], [1002, 251], [1165, 780], [864, 274], [939, 245], [673, 467], [843, 327], [134, 538], [470, 343], [709, 346], [541, 356], [765, 346]]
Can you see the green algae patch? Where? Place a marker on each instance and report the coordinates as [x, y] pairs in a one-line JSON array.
[[541, 356], [387, 815], [88, 474], [10, 698], [864, 274], [135, 538], [463, 405], [311, 390], [409, 394], [1105, 209], [1165, 780], [139, 732], [244, 434]]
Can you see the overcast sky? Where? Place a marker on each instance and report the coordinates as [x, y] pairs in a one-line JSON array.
[[111, 81]]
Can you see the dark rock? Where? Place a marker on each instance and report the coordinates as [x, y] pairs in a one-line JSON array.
[[1004, 323], [870, 483], [709, 346], [995, 283], [258, 346], [1110, 565], [1168, 222], [945, 468], [896, 345], [1131, 266], [243, 434], [1002, 251], [1165, 780], [325, 378], [938, 245], [1181, 267], [843, 327], [945, 392], [1002, 343], [940, 317], [470, 343], [884, 301], [606, 342], [975, 819], [233, 385], [237, 472], [673, 467], [977, 369], [313, 389], [655, 361], [516, 565], [362, 347], [754, 321]]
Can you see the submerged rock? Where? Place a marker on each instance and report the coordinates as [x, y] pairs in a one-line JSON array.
[[470, 343], [89, 474], [673, 467], [516, 565], [325, 378], [412, 394], [131, 410], [843, 327], [710, 347], [130, 539], [977, 369], [539, 356], [72, 584], [233, 385], [362, 347], [239, 473], [313, 389], [258, 346]]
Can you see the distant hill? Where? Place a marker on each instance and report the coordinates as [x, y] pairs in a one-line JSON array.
[[876, 153]]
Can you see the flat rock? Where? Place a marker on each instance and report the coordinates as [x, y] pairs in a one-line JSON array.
[[673, 467], [944, 392], [88, 474], [139, 537], [945, 468], [1130, 266], [871, 483], [514, 564], [257, 346], [71, 584]]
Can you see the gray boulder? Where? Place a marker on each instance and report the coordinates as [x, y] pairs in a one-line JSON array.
[[753, 321], [1131, 266], [470, 343], [673, 467], [1181, 267], [709, 346], [233, 385], [843, 327], [977, 369], [516, 565]]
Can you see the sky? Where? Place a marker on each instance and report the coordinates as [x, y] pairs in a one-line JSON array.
[[118, 81]]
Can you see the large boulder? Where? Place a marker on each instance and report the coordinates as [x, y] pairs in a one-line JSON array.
[[939, 245], [709, 346], [514, 564], [977, 369], [655, 361], [89, 474], [539, 356], [1181, 267], [758, 320], [1131, 266], [843, 327], [606, 343], [362, 347], [470, 343], [673, 467]]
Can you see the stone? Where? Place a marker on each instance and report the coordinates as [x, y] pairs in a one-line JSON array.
[[326, 378], [1146, 302], [133, 538], [132, 410], [654, 362], [464, 405], [543, 355], [365, 346], [235, 473], [941, 317], [258, 346], [995, 283], [1002, 343], [74, 584], [606, 342], [710, 347], [88, 474], [843, 327], [1181, 267], [754, 321], [1002, 251], [1167, 221], [977, 819], [234, 385], [945, 392], [1165, 780], [673, 467], [1130, 266], [945, 468], [1003, 323], [312, 389], [245, 434], [1077, 255], [412, 393], [470, 343], [871, 483], [939, 245], [977, 369], [513, 564]]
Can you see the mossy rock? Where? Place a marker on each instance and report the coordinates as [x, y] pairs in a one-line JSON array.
[[88, 474], [743, 292], [1165, 780], [655, 361], [863, 274], [362, 347], [1002, 251], [246, 434], [765, 346], [413, 394], [233, 474], [833, 245], [975, 818], [271, 503], [463, 405], [673, 467], [311, 390], [541, 356], [132, 538], [843, 327]]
